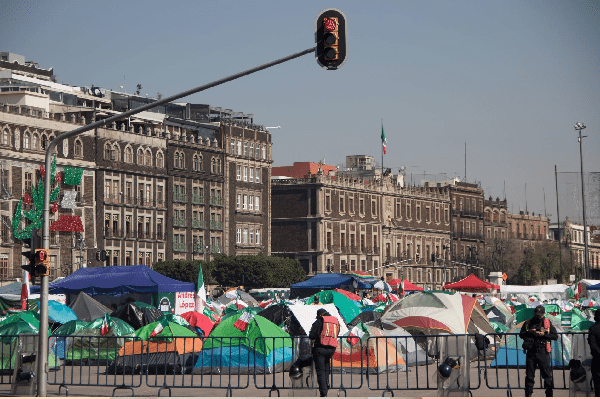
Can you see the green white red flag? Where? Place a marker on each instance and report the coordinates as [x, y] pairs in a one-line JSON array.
[[355, 335], [383, 140], [162, 323], [242, 323], [200, 291], [104, 328]]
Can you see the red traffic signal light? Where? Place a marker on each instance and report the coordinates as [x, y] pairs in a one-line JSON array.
[[330, 38], [41, 262]]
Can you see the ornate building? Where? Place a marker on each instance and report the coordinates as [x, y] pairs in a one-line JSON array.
[[340, 223]]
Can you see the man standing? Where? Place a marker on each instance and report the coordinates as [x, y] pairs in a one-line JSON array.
[[537, 334], [594, 341], [324, 334]]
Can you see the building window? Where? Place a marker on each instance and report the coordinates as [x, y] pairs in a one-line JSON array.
[[159, 229], [361, 206], [257, 153], [257, 237], [251, 202], [160, 163], [28, 181], [239, 172], [6, 137], [245, 175], [238, 204], [4, 266], [251, 237], [128, 154], [264, 151], [232, 148], [239, 148], [251, 149], [245, 202], [342, 210], [251, 175], [238, 236], [256, 203], [328, 202], [140, 158], [245, 148], [245, 236], [257, 177], [26, 140], [36, 139], [148, 158]]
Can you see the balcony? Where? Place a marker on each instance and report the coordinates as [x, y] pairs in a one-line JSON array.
[[472, 214], [129, 200], [179, 247], [215, 225], [198, 248], [215, 200], [198, 199], [197, 224], [179, 197], [215, 249], [160, 203], [112, 199], [179, 222]]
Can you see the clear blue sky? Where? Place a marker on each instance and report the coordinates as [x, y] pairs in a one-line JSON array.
[[509, 78]]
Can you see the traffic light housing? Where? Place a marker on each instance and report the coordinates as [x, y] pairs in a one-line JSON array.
[[32, 242], [330, 38], [42, 262]]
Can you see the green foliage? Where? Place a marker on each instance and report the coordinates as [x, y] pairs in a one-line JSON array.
[[257, 271], [249, 270], [183, 270]]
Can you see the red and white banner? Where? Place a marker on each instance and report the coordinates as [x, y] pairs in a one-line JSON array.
[[184, 302], [355, 335]]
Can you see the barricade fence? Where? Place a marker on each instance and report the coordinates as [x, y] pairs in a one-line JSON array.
[[506, 370], [388, 363]]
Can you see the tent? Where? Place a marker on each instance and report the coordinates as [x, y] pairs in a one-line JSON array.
[[406, 345], [199, 320], [327, 281], [349, 294], [552, 291], [408, 286], [137, 314], [348, 308], [115, 280], [9, 335], [228, 349], [243, 295], [281, 315], [87, 308], [60, 313], [307, 315], [510, 353], [59, 342], [471, 283], [438, 312], [173, 350], [365, 317], [89, 344]]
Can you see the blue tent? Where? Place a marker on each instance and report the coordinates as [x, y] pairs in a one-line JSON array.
[[241, 360], [593, 287], [326, 281], [511, 354], [112, 280], [60, 313]]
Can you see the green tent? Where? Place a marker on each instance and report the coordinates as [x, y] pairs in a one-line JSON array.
[[173, 318], [578, 321], [32, 318], [523, 314], [552, 308], [348, 308], [167, 334], [9, 333], [499, 327], [70, 327], [89, 343], [228, 312], [257, 328]]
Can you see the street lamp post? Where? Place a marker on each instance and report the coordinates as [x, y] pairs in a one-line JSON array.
[[579, 127]]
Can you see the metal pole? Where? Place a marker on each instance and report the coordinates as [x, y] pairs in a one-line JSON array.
[[558, 221], [580, 127], [43, 331]]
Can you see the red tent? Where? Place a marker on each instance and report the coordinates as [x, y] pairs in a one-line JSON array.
[[408, 286], [472, 283]]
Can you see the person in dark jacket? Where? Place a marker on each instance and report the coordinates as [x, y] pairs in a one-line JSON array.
[[323, 333], [538, 332], [594, 341]]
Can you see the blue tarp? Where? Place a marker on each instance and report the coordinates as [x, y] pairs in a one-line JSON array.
[[593, 287], [511, 353], [116, 280], [326, 281], [239, 359], [59, 313]]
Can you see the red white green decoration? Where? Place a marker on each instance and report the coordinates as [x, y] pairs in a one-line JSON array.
[[105, 325], [242, 323], [162, 323]]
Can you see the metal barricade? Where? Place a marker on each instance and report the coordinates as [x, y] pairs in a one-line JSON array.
[[410, 363], [347, 365], [8, 346], [96, 361], [187, 362], [506, 364]]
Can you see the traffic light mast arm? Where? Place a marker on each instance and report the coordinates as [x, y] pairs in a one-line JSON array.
[[43, 331]]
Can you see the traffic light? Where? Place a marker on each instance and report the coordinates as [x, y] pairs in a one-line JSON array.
[[32, 242], [330, 38], [41, 262]]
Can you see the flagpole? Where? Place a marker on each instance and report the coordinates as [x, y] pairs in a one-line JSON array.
[[381, 181]]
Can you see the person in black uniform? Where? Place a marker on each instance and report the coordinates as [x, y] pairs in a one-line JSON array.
[[323, 333], [594, 341], [537, 334]]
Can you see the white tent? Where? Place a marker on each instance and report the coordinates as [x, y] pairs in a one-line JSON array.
[[557, 291], [307, 315]]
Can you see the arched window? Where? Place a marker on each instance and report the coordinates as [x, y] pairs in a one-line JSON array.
[[35, 145], [176, 160], [195, 162], [182, 160], [44, 142], [26, 140], [160, 161], [148, 158], [200, 163], [128, 154], [115, 152], [218, 165], [78, 148], [140, 157], [6, 137], [213, 165], [106, 151]]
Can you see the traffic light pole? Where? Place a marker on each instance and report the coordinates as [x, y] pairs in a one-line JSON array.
[[43, 332]]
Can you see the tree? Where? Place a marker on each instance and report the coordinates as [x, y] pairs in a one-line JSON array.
[[138, 89], [184, 270], [159, 95]]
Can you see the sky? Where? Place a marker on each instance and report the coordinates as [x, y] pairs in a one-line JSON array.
[[508, 79]]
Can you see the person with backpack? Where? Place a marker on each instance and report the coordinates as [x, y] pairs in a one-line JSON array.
[[324, 334], [594, 342], [537, 334]]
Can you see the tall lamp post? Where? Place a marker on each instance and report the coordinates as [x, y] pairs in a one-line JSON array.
[[579, 127]]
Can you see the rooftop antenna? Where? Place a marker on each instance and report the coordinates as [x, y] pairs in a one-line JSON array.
[[544, 191], [504, 190], [465, 162], [525, 198]]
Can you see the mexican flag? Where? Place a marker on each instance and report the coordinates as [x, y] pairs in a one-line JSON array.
[[231, 293], [240, 304], [24, 296], [242, 323], [383, 140], [266, 303], [402, 287], [162, 323], [355, 335], [105, 327], [200, 291]]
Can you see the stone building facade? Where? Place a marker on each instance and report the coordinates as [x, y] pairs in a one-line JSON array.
[[155, 186], [337, 224]]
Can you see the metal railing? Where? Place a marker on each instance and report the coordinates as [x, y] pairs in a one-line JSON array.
[[197, 199]]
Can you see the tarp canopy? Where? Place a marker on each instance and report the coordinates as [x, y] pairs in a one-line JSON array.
[[408, 286], [116, 280], [348, 308], [59, 312], [326, 281], [471, 283], [549, 291], [137, 314], [87, 308]]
